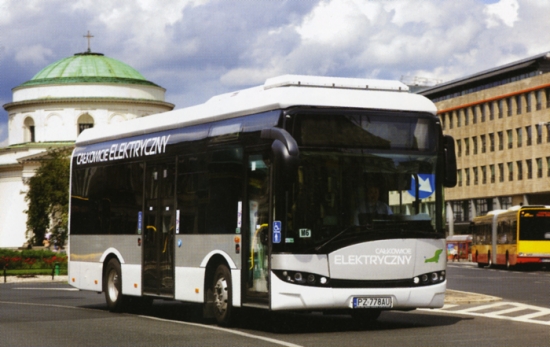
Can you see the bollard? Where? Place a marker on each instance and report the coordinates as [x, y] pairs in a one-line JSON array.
[[56, 267]]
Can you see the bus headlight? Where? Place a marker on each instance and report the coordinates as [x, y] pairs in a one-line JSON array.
[[430, 278], [303, 278]]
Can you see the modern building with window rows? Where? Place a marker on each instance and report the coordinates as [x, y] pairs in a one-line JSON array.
[[500, 120]]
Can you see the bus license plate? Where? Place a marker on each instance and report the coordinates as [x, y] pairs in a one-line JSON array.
[[376, 302]]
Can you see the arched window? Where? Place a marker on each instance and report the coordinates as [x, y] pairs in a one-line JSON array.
[[84, 122], [28, 130]]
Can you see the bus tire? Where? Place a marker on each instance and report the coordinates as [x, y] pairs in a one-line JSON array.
[[479, 264], [113, 287], [222, 295]]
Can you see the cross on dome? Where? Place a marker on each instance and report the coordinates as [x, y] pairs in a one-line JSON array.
[[88, 36]]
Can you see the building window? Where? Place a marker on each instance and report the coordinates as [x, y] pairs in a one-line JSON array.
[[492, 172], [85, 122], [491, 111], [459, 177], [529, 164], [467, 173], [500, 135], [500, 106], [457, 210], [548, 166], [539, 167], [467, 146], [547, 132], [466, 116], [529, 134], [518, 104], [509, 105], [547, 92], [539, 133], [528, 102], [501, 172], [29, 130], [505, 202], [459, 147], [510, 171], [459, 118], [484, 174], [538, 99], [481, 206], [519, 136], [483, 144], [474, 144], [510, 138], [443, 120], [520, 170], [451, 120], [476, 176], [483, 112], [474, 114]]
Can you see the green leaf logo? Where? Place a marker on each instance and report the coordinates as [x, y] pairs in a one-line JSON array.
[[435, 258]]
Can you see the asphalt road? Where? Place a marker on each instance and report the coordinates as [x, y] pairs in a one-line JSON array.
[[53, 314]]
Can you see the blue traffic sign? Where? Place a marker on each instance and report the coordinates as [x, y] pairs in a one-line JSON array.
[[426, 186]]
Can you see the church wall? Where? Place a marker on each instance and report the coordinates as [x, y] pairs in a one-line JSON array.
[[13, 226], [115, 90], [60, 122]]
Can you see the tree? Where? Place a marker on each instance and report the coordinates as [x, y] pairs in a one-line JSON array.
[[48, 198]]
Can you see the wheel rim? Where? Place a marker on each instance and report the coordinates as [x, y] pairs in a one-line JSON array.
[[112, 285], [221, 295]]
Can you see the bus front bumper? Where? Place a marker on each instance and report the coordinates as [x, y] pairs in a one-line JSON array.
[[288, 296]]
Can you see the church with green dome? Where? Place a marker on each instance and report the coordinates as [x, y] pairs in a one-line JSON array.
[[51, 109]]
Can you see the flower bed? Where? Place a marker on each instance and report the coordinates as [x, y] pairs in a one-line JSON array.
[[31, 259]]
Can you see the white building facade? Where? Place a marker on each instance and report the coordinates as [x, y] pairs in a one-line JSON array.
[[52, 109]]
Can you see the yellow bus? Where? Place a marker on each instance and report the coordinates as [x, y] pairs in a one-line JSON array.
[[519, 235]]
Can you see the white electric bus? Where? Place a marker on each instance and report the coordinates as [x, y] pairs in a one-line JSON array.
[[258, 198]]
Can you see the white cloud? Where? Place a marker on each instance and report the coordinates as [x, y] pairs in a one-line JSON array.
[[36, 55], [503, 12]]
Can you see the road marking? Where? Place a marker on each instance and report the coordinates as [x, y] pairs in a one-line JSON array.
[[57, 289], [230, 331], [235, 332], [503, 310]]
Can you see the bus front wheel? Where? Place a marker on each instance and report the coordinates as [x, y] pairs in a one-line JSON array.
[[113, 286], [222, 295]]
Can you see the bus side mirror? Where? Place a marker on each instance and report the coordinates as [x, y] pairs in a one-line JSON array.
[[449, 154], [285, 153]]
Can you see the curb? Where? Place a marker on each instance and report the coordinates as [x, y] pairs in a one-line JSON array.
[[458, 297], [35, 279]]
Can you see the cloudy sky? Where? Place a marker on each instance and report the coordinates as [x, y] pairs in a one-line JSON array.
[[199, 48]]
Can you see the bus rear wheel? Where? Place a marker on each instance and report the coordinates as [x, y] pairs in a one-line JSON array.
[[113, 287], [222, 295]]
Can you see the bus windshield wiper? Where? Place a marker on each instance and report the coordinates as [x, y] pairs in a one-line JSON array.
[[318, 248]]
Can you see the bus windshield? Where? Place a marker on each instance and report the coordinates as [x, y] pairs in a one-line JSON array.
[[378, 184], [534, 225]]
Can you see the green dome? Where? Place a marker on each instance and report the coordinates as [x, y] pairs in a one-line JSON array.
[[87, 68]]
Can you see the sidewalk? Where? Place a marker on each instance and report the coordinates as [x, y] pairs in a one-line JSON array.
[[37, 278]]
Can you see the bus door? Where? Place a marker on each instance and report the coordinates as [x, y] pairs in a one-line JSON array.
[[256, 248], [160, 219]]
